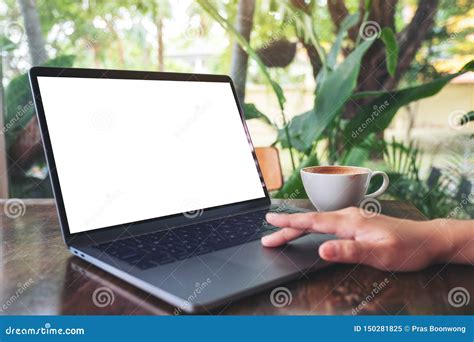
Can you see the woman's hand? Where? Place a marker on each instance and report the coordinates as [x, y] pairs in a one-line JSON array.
[[383, 242]]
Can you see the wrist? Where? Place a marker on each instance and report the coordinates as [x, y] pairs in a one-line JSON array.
[[444, 240]]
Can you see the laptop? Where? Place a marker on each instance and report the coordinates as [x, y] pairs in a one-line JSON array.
[[156, 182]]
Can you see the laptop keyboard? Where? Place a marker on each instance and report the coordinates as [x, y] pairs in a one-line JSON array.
[[163, 247]]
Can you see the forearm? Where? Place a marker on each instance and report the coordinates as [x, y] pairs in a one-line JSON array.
[[456, 240]]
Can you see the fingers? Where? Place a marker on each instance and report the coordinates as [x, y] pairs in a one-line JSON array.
[[346, 251], [341, 223], [316, 222], [281, 237]]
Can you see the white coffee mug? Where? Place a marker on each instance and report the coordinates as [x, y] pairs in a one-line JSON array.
[[337, 187]]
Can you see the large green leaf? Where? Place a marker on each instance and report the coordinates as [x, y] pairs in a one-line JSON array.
[[364, 94], [391, 49], [251, 112], [304, 23], [346, 24], [377, 115], [295, 128], [335, 88]]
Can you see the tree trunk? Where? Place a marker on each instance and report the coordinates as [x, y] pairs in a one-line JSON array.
[[3, 155], [239, 56], [159, 29], [27, 145], [313, 57], [373, 74], [412, 36], [34, 35]]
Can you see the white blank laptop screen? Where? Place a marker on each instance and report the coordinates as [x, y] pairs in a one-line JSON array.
[[131, 150]]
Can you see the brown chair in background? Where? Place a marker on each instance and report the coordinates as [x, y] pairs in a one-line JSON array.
[[269, 161]]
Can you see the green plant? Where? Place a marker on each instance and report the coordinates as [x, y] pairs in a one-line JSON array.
[[19, 112], [323, 128], [444, 193]]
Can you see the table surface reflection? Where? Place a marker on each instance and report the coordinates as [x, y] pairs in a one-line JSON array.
[[38, 276]]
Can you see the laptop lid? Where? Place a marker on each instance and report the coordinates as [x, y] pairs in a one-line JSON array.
[[131, 151]]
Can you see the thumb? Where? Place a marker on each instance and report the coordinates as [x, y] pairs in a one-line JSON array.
[[346, 251]]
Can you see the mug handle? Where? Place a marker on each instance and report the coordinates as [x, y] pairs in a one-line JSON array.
[[384, 186]]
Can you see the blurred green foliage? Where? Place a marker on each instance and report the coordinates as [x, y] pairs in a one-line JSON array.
[[19, 107], [325, 124], [122, 34]]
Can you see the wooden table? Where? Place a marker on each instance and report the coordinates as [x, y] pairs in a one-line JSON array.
[[39, 276]]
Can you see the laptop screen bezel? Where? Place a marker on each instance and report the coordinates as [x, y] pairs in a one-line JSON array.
[[147, 225]]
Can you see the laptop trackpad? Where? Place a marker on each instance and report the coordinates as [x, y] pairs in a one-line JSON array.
[[263, 263]]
